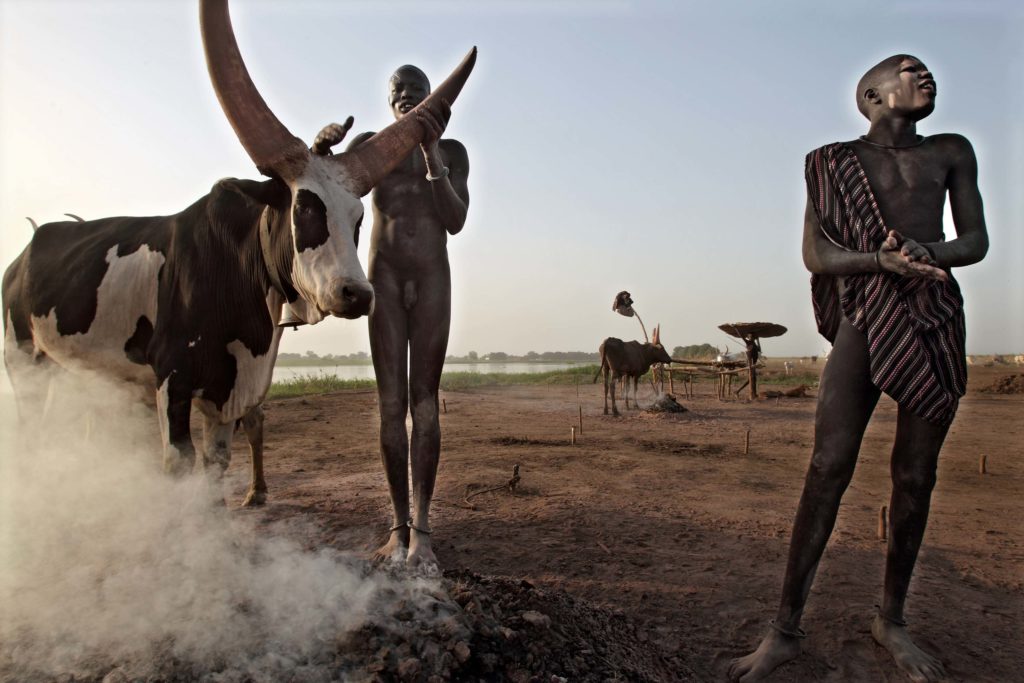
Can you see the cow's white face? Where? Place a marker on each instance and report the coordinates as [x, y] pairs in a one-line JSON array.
[[325, 221]]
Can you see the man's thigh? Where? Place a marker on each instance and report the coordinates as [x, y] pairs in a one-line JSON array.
[[846, 394], [429, 323]]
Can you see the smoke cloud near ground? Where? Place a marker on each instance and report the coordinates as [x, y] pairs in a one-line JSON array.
[[105, 561]]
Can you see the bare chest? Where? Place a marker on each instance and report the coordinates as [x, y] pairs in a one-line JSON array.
[[909, 186]]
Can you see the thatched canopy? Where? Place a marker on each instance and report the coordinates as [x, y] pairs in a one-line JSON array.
[[758, 330]]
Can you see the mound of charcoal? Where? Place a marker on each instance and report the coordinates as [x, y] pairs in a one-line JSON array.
[[497, 629]]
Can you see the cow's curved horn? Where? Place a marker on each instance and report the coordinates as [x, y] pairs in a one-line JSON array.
[[77, 218], [35, 226], [272, 148], [371, 161]]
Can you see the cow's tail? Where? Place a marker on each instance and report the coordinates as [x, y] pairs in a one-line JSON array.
[[600, 367]]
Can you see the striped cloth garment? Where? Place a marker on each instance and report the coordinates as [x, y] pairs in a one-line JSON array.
[[914, 326]]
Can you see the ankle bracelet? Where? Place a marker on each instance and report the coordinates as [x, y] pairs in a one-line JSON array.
[[798, 633], [891, 620]]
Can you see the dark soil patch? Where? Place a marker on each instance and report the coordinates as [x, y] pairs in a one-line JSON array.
[[523, 441], [1008, 384], [678, 447]]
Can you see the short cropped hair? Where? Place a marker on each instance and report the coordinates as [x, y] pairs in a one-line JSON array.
[[415, 69]]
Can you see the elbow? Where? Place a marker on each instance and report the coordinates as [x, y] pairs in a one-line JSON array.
[[982, 246], [455, 225], [811, 262]]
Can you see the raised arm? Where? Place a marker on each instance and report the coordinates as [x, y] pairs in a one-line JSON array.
[[971, 243], [447, 181]]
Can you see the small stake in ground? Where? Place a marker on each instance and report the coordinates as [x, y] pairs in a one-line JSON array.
[[581, 420], [882, 523], [444, 405], [746, 443], [572, 437], [982, 463]]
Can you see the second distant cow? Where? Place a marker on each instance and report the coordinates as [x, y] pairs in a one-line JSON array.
[[627, 360]]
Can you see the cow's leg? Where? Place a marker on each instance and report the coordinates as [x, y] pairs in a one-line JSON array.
[[636, 381], [606, 371], [253, 424], [32, 379], [173, 410], [216, 446], [615, 408]]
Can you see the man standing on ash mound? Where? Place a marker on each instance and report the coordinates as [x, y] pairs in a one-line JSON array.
[[884, 297], [415, 208]]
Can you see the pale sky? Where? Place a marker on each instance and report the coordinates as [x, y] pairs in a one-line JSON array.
[[650, 146]]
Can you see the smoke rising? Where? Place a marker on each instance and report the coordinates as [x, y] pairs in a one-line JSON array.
[[105, 561]]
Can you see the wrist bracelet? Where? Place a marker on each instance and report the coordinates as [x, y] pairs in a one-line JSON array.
[[442, 174]]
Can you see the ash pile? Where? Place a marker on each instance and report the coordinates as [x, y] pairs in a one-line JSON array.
[[666, 403]]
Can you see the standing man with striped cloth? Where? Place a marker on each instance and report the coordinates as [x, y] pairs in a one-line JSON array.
[[884, 296]]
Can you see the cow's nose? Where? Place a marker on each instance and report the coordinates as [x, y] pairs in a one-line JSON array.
[[355, 299]]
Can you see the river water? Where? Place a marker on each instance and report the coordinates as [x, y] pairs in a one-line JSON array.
[[366, 371]]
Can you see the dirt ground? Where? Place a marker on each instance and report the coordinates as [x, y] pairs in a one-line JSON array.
[[664, 519]]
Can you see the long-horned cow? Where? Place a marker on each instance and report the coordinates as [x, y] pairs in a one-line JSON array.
[[186, 305], [629, 360]]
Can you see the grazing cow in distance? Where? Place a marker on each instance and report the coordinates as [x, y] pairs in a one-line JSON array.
[[186, 305], [627, 360], [788, 367]]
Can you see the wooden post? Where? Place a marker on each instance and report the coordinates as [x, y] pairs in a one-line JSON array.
[[883, 525], [982, 464], [581, 420], [746, 443], [572, 437], [671, 382], [444, 405]]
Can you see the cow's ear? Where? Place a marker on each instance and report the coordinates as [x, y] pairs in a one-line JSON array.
[[272, 192]]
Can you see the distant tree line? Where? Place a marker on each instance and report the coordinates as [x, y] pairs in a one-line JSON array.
[[696, 352]]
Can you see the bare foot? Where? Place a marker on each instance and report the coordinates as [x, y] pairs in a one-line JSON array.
[[395, 549], [775, 649], [421, 555], [915, 662]]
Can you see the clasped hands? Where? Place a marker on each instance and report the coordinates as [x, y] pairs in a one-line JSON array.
[[909, 258]]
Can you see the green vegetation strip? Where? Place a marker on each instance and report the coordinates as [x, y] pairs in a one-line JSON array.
[[453, 381]]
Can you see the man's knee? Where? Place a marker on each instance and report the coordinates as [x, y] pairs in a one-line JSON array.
[[914, 480], [393, 409], [832, 463], [424, 413]]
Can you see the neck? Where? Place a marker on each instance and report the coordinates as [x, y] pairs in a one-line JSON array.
[[895, 132]]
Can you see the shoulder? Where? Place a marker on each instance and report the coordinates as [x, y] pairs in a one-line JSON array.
[[820, 158], [360, 139], [953, 145], [825, 150], [455, 151]]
